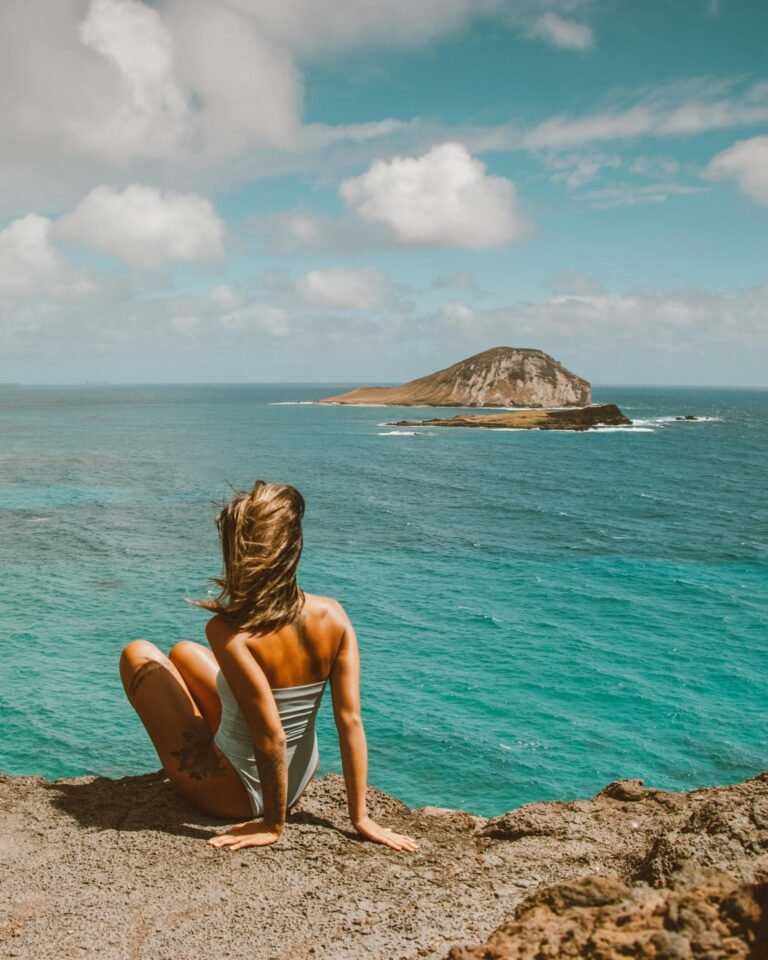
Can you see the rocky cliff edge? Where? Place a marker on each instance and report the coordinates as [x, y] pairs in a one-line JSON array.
[[120, 869]]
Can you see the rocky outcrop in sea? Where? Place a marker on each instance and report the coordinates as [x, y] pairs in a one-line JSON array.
[[500, 377], [575, 418], [120, 869]]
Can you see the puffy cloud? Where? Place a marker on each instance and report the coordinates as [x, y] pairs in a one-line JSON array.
[[32, 269], [146, 227], [150, 109], [746, 162], [442, 198], [185, 87], [248, 89], [27, 258], [337, 288], [567, 34]]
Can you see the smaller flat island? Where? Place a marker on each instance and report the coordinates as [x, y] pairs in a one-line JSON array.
[[572, 418]]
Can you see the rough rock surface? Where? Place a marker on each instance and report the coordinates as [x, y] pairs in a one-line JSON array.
[[119, 869], [576, 418], [500, 377], [709, 915]]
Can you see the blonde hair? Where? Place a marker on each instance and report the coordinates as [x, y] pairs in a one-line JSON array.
[[261, 541]]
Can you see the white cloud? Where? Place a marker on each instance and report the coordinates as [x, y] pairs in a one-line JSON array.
[[184, 89], [682, 109], [670, 319], [560, 132], [632, 194], [337, 288], [746, 162], [146, 227], [577, 169], [316, 27], [564, 33], [248, 89], [32, 269], [150, 110], [654, 166], [442, 198], [27, 258]]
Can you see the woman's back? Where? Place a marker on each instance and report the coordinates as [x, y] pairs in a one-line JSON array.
[[298, 653]]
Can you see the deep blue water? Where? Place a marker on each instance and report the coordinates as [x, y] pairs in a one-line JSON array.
[[538, 612]]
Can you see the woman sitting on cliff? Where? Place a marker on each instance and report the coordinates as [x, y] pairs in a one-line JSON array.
[[235, 728]]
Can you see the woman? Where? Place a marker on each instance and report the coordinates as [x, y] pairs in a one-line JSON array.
[[235, 728]]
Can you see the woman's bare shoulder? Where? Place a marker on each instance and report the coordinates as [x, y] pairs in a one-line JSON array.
[[325, 609], [219, 631]]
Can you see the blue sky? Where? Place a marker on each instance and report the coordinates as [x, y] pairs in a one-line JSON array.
[[350, 190]]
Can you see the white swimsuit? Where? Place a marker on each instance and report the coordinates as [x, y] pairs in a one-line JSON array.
[[298, 708]]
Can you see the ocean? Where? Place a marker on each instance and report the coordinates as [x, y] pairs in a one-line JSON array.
[[539, 613]]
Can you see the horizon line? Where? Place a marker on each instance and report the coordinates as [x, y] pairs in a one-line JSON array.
[[323, 383]]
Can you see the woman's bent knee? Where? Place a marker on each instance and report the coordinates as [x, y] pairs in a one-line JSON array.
[[184, 649], [137, 659]]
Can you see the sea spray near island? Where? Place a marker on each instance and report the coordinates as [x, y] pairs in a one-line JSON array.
[[539, 612]]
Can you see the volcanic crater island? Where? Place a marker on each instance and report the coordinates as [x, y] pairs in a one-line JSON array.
[[544, 394]]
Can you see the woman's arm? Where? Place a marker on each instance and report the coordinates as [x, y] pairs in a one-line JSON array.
[[345, 691], [254, 696]]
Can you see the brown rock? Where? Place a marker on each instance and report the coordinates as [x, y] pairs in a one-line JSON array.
[[711, 917], [575, 418], [120, 868]]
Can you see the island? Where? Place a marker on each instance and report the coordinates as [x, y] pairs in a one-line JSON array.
[[575, 418], [499, 377]]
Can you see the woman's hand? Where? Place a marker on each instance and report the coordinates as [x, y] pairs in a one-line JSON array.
[[254, 833], [384, 835]]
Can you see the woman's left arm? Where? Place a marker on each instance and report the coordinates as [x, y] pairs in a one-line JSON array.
[[254, 696]]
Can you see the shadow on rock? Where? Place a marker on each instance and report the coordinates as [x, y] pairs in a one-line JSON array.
[[148, 802]]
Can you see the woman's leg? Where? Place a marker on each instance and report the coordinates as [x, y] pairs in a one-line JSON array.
[[183, 741], [198, 668]]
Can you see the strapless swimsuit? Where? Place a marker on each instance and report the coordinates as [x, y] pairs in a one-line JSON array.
[[298, 708]]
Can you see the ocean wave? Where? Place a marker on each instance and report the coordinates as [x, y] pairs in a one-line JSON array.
[[399, 433], [292, 403]]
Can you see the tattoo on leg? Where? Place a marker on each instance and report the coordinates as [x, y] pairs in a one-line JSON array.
[[149, 666], [198, 757]]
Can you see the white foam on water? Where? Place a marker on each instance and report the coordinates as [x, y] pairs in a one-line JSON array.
[[661, 421], [292, 403], [632, 429], [399, 433]]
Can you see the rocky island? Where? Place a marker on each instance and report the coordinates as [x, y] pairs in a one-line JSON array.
[[499, 377], [120, 869], [576, 418]]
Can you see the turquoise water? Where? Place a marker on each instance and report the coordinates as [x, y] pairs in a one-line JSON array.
[[539, 613]]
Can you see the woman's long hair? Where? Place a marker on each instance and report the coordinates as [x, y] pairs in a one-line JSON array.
[[261, 540]]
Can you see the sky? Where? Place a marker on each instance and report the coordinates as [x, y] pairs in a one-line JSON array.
[[364, 191]]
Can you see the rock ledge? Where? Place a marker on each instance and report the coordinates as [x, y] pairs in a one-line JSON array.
[[119, 869]]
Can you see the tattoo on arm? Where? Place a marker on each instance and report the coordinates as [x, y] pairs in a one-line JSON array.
[[273, 773]]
